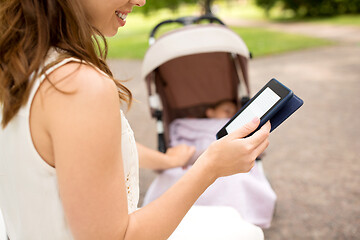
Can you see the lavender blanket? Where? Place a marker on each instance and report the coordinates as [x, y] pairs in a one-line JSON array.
[[195, 132]]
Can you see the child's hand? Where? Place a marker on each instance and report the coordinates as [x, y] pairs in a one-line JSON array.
[[234, 153], [180, 155]]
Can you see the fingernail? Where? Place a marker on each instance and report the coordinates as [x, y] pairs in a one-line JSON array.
[[255, 120]]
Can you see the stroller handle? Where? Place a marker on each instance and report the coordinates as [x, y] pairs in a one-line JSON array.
[[209, 17], [184, 21]]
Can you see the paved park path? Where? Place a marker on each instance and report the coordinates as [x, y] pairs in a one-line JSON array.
[[339, 33], [313, 159]]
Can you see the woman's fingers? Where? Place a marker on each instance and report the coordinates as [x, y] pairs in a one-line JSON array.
[[261, 148], [259, 136], [237, 154], [246, 129]]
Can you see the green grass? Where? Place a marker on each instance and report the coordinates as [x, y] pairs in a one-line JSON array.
[[132, 42], [263, 42]]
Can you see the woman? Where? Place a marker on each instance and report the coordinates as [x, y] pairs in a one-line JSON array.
[[68, 159]]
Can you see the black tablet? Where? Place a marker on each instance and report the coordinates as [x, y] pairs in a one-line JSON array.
[[263, 105]]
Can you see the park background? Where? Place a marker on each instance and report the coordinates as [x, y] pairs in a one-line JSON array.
[[312, 161]]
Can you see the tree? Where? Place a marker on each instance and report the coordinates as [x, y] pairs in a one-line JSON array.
[[311, 8], [266, 5], [206, 6]]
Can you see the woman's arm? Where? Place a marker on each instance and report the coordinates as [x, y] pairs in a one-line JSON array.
[[176, 156], [232, 154], [85, 128]]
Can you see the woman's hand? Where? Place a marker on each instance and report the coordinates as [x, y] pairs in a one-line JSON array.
[[179, 156], [236, 153]]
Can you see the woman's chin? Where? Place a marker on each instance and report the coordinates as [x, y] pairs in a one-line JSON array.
[[111, 33]]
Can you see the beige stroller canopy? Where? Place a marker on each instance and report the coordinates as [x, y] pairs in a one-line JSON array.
[[192, 40]]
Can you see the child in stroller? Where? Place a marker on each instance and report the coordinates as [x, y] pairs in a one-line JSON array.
[[188, 71], [222, 109]]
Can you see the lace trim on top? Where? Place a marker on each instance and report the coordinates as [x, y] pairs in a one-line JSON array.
[[131, 164]]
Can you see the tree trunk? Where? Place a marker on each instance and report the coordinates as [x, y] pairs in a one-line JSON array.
[[207, 7]]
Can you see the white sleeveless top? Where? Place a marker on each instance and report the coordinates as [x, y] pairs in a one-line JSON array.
[[29, 194]]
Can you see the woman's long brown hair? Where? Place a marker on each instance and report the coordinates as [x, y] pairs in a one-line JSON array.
[[28, 29]]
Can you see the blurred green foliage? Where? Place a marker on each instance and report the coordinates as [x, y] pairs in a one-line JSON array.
[[313, 8], [159, 4], [205, 5]]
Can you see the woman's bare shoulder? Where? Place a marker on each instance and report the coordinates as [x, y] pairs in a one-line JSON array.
[[80, 77], [79, 88]]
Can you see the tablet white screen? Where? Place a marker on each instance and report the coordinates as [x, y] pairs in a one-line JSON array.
[[257, 108]]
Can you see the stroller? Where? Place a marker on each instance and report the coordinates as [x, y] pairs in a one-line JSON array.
[[181, 64], [189, 70]]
